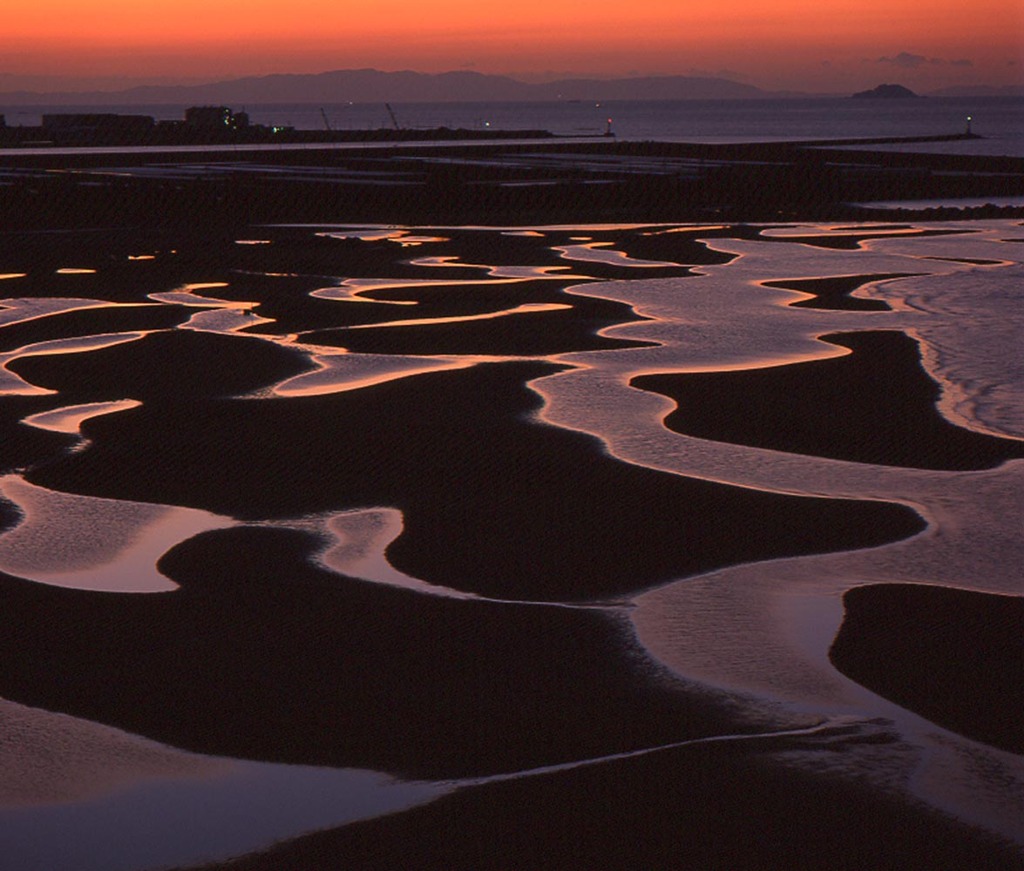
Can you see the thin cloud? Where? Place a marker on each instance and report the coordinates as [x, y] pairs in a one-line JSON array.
[[907, 61]]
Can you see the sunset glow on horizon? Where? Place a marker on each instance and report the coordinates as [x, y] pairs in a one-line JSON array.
[[789, 44]]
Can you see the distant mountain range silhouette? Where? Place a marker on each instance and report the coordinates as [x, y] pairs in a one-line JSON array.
[[374, 86]]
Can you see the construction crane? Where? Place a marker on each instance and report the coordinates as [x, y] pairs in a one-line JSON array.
[[327, 124], [391, 112]]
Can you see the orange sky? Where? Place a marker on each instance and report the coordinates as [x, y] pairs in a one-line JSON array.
[[807, 44]]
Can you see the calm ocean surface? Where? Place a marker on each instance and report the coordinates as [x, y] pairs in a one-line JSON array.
[[999, 120]]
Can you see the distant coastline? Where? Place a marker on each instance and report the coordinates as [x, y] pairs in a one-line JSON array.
[[210, 125]]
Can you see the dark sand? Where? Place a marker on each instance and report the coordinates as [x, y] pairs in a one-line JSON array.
[[263, 656], [682, 247], [699, 809], [24, 445], [171, 366], [572, 328], [494, 503], [876, 405], [834, 293], [522, 334], [953, 656], [90, 322]]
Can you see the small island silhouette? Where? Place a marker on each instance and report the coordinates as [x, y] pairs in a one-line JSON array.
[[886, 92]]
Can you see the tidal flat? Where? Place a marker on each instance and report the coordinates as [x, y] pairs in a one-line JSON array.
[[336, 545]]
